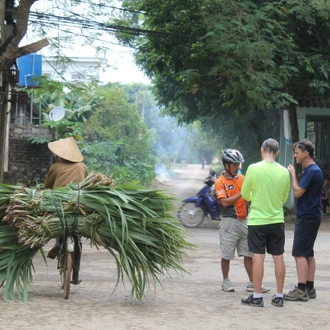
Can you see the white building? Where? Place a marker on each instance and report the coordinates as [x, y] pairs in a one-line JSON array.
[[23, 109], [74, 69]]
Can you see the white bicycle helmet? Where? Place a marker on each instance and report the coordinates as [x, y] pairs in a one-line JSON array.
[[231, 156]]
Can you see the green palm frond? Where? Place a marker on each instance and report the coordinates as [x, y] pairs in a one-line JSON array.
[[135, 224]]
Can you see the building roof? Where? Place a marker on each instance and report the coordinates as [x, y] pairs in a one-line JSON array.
[[316, 102]]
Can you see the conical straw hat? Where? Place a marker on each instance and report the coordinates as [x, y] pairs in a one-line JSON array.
[[66, 149]]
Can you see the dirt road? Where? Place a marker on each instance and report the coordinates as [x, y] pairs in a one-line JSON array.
[[185, 302]]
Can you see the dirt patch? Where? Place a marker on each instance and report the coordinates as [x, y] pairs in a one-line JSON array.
[[185, 301], [188, 182]]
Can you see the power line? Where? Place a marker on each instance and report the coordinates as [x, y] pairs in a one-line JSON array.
[[92, 38], [75, 21]]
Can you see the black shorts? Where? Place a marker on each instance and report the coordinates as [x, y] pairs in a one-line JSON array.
[[270, 238], [305, 232]]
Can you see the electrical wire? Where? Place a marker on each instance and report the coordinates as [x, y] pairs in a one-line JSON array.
[[77, 20]]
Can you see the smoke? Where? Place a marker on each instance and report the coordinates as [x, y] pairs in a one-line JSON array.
[[172, 143], [163, 172]]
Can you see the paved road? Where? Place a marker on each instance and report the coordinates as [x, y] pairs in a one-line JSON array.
[[186, 301]]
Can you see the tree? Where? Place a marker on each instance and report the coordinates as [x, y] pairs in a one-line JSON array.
[[14, 22], [205, 57], [73, 20], [232, 57], [119, 142], [111, 133], [79, 100], [173, 143]]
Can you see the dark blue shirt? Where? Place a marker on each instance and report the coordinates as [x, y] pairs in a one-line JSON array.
[[309, 204]]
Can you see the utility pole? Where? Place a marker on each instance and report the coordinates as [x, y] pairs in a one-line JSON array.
[[13, 25], [3, 95], [7, 21], [143, 105]]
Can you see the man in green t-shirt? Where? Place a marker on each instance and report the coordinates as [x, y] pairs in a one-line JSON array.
[[266, 185]]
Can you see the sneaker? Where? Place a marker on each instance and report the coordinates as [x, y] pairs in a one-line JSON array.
[[226, 286], [255, 302], [277, 301], [296, 295], [250, 288], [311, 293]]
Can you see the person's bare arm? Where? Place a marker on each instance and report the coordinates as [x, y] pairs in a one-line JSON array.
[[225, 202], [297, 191]]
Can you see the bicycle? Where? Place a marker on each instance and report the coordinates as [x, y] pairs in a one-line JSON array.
[[68, 257], [64, 263]]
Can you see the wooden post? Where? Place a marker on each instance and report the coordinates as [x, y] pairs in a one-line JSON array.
[[3, 99]]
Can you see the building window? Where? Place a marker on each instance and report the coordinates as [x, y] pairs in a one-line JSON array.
[[78, 76]]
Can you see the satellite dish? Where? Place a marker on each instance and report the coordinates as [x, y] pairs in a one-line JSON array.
[[57, 113]]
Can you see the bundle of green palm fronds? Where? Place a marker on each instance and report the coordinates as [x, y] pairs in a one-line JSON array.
[[136, 225]]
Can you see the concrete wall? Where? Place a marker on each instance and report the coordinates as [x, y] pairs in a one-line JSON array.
[[28, 163]]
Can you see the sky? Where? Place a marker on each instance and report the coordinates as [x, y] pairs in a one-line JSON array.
[[120, 61], [122, 68]]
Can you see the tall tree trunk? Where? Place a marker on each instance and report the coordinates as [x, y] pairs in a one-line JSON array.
[[293, 122]]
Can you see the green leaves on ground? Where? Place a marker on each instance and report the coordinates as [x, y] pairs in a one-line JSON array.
[[136, 225]]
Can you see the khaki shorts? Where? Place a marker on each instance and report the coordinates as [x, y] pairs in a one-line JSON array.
[[233, 236]]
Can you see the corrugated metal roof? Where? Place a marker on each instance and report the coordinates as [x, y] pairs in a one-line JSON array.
[[316, 102]]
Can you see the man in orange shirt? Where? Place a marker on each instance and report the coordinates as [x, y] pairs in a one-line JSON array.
[[233, 229]]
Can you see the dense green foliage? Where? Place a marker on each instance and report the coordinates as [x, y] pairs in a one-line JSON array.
[[111, 134], [229, 58], [120, 130], [224, 63], [170, 142], [117, 123], [78, 99]]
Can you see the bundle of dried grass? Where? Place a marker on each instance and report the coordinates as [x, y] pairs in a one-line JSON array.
[[136, 225]]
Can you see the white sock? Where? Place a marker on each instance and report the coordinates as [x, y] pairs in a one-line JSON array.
[[279, 295], [257, 295]]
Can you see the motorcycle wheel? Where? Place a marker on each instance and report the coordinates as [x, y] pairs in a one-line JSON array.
[[190, 215]]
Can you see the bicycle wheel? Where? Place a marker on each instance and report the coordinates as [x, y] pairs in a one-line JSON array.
[[61, 265], [61, 270], [67, 274], [190, 215]]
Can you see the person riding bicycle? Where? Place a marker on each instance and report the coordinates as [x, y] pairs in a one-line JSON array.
[[69, 168]]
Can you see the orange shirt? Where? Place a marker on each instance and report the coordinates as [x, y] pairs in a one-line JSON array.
[[230, 187]]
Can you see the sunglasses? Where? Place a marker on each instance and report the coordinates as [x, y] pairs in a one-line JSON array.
[[305, 146]]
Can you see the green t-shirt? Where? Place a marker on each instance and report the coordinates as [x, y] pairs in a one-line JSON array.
[[267, 186]]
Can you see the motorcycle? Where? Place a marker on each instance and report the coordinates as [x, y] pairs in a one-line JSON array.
[[195, 209]]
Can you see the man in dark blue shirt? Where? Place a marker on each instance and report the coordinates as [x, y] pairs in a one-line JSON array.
[[308, 211]]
